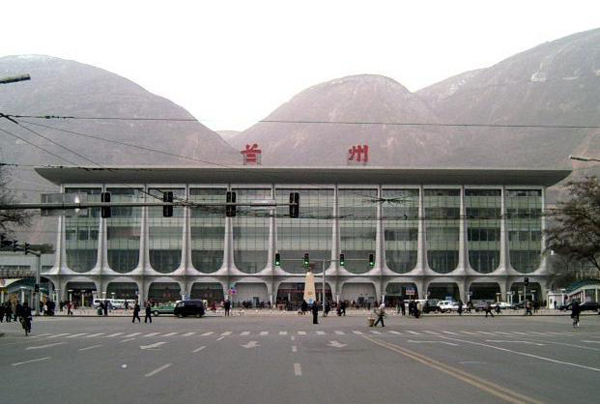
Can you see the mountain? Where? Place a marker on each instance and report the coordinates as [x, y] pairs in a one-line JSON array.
[[61, 87], [319, 125], [554, 84]]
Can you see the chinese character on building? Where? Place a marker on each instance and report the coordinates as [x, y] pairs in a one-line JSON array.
[[251, 154], [358, 154]]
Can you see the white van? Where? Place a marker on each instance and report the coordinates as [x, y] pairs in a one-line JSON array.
[[115, 304]]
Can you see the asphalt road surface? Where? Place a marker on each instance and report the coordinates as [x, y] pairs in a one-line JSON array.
[[287, 359]]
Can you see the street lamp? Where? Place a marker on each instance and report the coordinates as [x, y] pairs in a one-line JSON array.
[[582, 158]]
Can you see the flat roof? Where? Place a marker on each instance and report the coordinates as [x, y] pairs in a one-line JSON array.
[[301, 175]]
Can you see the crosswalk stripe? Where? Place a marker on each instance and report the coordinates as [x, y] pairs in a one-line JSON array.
[[301, 332], [226, 333], [339, 332], [320, 332], [114, 335], [520, 333], [449, 332], [77, 335], [375, 332], [59, 335], [414, 332], [357, 332], [152, 334], [502, 333], [537, 333], [187, 334], [282, 332], [41, 335], [431, 332], [133, 334], [170, 334], [395, 332], [469, 333], [486, 333], [95, 335], [208, 333], [245, 333], [264, 333]]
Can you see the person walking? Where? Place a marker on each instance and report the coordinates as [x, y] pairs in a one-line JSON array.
[[528, 308], [402, 307], [380, 315], [227, 307], [136, 313], [8, 311], [315, 312], [1, 312], [460, 307], [304, 307], [148, 317], [69, 307], [343, 308], [105, 308], [488, 310], [326, 309], [575, 311]]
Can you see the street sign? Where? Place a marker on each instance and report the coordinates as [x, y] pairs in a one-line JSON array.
[[410, 292], [232, 291]]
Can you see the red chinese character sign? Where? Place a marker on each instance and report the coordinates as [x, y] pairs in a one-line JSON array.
[[358, 154], [251, 154]]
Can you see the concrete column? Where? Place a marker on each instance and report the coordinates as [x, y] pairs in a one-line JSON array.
[[335, 233], [186, 242], [543, 257], [463, 255], [378, 295], [421, 236], [272, 237], [503, 289], [144, 242], [461, 290], [379, 238], [102, 252], [504, 245]]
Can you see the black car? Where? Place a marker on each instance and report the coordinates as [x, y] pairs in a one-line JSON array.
[[185, 308], [431, 306], [588, 306]]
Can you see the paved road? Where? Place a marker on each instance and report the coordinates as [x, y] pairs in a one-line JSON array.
[[284, 359]]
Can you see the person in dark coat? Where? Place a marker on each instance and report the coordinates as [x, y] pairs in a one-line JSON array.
[[343, 308], [315, 312], [460, 307], [136, 313], [488, 310], [105, 308], [575, 311], [380, 315], [148, 313], [227, 307], [304, 307], [2, 313]]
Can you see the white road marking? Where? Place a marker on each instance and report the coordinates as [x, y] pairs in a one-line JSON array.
[[245, 333], [320, 332], [294, 348], [220, 338], [32, 360], [537, 333], [469, 333], [95, 335], [114, 335], [414, 332], [375, 332], [226, 333], [336, 344], [59, 335], [77, 335], [590, 341], [339, 332], [152, 334], [264, 333], [44, 346], [301, 332], [152, 346], [395, 332], [502, 333], [251, 344], [133, 334], [486, 333], [40, 335], [520, 333], [449, 332], [432, 342], [297, 369], [125, 340], [357, 332], [527, 354], [199, 349], [90, 347], [518, 342], [432, 332], [207, 333], [188, 334], [282, 332], [160, 369], [169, 334], [293, 338]]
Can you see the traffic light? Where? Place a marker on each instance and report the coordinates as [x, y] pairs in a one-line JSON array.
[[371, 260], [105, 211], [168, 209], [36, 288], [277, 260], [294, 204], [342, 261], [526, 281], [230, 210], [306, 260], [27, 248]]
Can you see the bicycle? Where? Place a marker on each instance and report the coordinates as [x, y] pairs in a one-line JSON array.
[[575, 321], [26, 323]]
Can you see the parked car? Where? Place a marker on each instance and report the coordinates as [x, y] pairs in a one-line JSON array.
[[589, 306], [503, 305], [185, 308], [430, 306], [447, 306], [168, 308]]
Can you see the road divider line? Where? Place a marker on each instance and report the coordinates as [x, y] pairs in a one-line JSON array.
[[482, 384], [206, 334], [297, 369], [199, 349], [90, 347], [44, 346], [125, 340], [431, 342], [152, 334], [32, 361], [220, 338], [114, 335], [160, 369], [188, 334], [76, 335]]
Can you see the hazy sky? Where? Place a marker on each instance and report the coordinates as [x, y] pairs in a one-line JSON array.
[[231, 63]]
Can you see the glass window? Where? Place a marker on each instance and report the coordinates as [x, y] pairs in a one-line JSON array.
[[207, 228], [81, 249], [524, 225], [358, 227], [165, 233], [251, 231], [124, 229], [400, 211], [442, 227], [483, 211]]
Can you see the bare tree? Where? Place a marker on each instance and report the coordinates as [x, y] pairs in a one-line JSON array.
[[9, 218], [575, 232]]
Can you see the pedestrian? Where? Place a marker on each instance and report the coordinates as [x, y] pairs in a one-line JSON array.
[[343, 307], [402, 307], [497, 308], [488, 310], [148, 313], [304, 307], [326, 309], [575, 310], [136, 313], [460, 307], [105, 308], [1, 312], [315, 312], [469, 306], [528, 308], [8, 311], [69, 307], [227, 307], [380, 315]]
